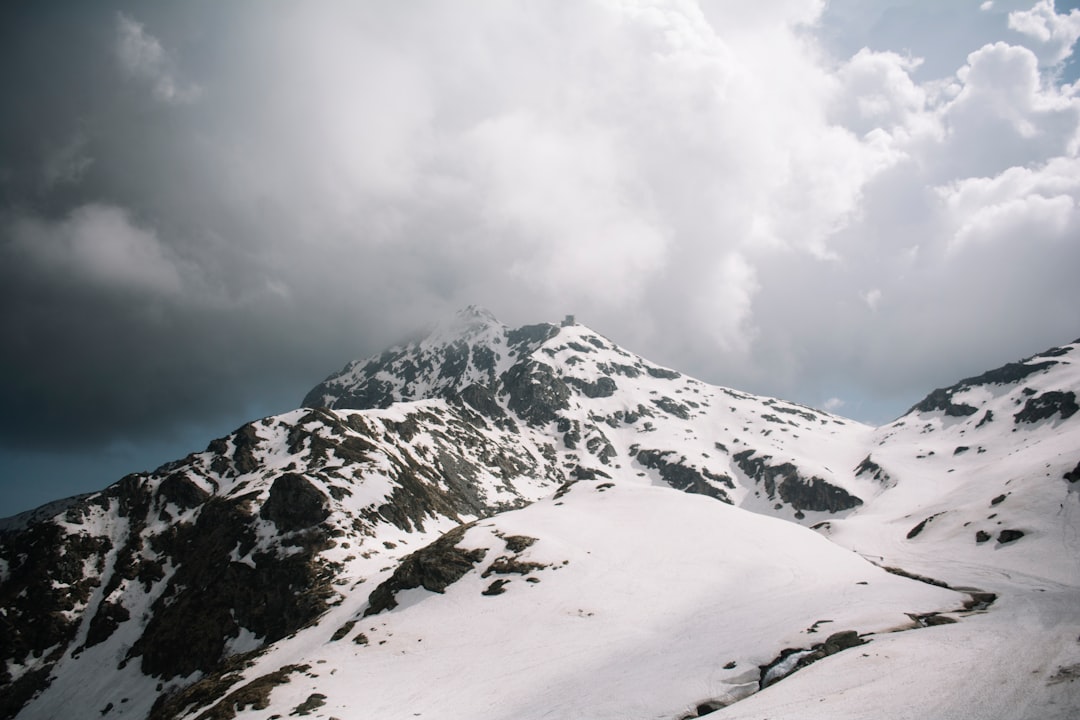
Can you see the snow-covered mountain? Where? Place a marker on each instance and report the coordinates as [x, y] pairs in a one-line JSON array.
[[536, 523]]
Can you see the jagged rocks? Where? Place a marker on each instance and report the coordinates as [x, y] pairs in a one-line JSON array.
[[45, 586], [876, 472], [793, 659], [941, 399], [814, 494], [536, 393], [686, 478], [1008, 536], [914, 532], [482, 400], [527, 337], [178, 489], [254, 695], [601, 388], [211, 596], [294, 503], [1047, 405], [105, 622], [433, 568], [673, 407]]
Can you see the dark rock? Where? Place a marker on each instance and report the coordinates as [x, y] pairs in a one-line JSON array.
[[254, 695], [1047, 405], [815, 494], [294, 503], [709, 706], [1008, 536], [178, 489], [941, 399], [105, 622], [497, 587], [511, 566], [935, 619], [978, 600], [518, 543], [601, 388], [913, 576], [808, 414], [211, 596], [875, 470], [342, 631], [982, 536], [672, 407], [1073, 475], [528, 338], [536, 394], [45, 582], [245, 440], [481, 399], [921, 526], [434, 567], [842, 641], [314, 702], [685, 478], [662, 373]]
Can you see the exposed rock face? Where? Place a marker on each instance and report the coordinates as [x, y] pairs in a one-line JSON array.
[[801, 493], [815, 494], [192, 571], [684, 477], [1047, 405], [294, 503], [183, 544], [941, 399], [535, 393], [1010, 373], [211, 596], [433, 568], [869, 467]]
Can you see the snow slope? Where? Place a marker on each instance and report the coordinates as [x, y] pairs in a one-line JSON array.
[[635, 601], [535, 522]]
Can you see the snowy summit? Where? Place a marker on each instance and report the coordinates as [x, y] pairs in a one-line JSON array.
[[534, 522]]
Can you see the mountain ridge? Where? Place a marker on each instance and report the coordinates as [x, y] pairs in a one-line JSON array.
[[202, 582]]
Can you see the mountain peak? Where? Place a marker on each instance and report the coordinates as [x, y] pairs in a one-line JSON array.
[[588, 481], [467, 323], [470, 347]]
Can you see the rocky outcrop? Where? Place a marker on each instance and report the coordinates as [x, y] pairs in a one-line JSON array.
[[534, 392], [433, 568], [684, 477], [294, 503], [1047, 405], [814, 493]]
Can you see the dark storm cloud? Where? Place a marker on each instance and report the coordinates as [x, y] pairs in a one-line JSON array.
[[205, 208]]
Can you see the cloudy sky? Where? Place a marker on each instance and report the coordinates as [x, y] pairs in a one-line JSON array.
[[206, 208]]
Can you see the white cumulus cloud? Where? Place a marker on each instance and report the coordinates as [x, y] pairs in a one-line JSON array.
[[1055, 32]]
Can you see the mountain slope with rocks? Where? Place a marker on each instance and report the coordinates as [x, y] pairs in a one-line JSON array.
[[535, 522]]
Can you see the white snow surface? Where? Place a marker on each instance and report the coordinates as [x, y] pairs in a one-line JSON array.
[[638, 600], [645, 595]]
